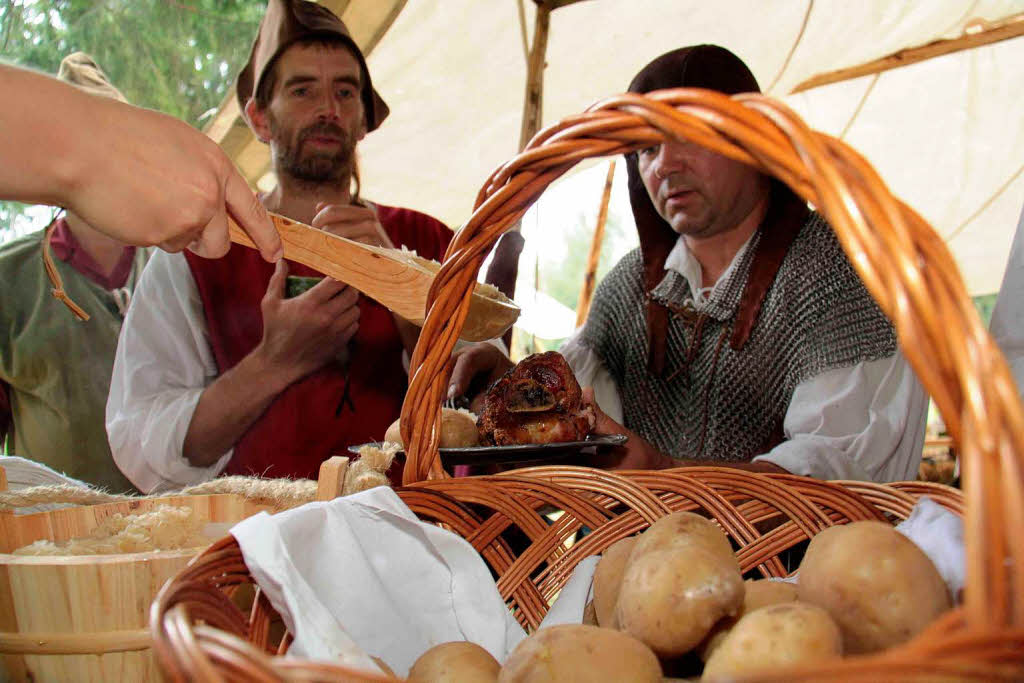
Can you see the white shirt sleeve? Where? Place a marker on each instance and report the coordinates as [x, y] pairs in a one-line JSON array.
[[864, 422], [591, 372], [162, 365]]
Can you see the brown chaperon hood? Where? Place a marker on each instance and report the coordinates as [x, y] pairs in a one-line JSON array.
[[288, 21]]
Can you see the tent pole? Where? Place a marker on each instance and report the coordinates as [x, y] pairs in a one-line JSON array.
[[990, 32], [504, 268], [534, 98], [590, 275]]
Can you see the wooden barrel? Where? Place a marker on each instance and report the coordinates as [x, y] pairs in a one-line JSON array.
[[86, 617]]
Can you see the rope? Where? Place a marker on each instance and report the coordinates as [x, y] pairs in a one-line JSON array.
[[369, 471], [57, 493], [58, 284], [281, 494]]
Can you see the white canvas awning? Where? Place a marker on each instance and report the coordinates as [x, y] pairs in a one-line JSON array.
[[946, 133]]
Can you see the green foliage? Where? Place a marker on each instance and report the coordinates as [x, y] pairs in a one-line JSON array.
[[985, 304], [17, 219], [561, 264], [175, 56], [562, 278]]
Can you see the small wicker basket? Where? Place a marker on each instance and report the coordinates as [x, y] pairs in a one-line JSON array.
[[904, 265]]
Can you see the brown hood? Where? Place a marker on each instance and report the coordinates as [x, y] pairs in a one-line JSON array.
[[288, 21]]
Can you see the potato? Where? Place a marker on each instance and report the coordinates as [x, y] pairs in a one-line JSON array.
[[878, 586], [682, 529], [608, 579], [455, 662], [458, 430], [574, 653], [758, 594], [670, 599], [775, 637]]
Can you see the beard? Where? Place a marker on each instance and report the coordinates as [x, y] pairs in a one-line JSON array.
[[317, 166]]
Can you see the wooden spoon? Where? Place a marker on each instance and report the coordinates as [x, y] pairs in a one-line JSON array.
[[388, 276]]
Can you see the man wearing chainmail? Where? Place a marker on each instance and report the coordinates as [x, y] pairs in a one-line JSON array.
[[738, 334]]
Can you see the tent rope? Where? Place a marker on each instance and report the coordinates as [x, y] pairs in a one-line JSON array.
[[792, 48]]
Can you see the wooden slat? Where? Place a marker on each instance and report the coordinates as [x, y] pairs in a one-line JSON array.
[[1011, 27], [67, 643], [386, 277]]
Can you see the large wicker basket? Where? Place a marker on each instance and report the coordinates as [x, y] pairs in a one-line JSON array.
[[200, 634]]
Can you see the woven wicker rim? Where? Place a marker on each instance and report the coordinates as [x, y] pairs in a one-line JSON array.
[[235, 644]]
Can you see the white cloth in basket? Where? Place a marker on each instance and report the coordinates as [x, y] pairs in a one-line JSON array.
[[361, 575], [940, 535]]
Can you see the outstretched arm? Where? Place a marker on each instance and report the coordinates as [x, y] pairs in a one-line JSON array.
[[140, 176]]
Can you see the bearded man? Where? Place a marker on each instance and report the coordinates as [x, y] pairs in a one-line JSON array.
[[217, 371]]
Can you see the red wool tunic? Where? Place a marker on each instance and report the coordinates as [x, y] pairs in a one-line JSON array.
[[309, 421]]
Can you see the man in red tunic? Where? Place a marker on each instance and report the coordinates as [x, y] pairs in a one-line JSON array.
[[217, 370]]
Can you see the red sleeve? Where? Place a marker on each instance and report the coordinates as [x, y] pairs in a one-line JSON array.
[[428, 236]]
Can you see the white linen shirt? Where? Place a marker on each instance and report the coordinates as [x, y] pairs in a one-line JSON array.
[[864, 422], [163, 364]]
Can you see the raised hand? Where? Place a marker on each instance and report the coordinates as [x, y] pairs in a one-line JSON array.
[[304, 333], [354, 222], [139, 176]]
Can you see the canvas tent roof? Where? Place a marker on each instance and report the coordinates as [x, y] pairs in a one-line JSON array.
[[946, 133]]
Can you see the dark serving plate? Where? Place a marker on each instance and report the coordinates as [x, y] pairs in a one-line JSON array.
[[492, 455]]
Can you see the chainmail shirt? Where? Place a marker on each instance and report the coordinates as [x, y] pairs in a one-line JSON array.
[[717, 403]]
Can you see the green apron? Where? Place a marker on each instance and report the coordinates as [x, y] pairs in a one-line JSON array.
[[57, 367]]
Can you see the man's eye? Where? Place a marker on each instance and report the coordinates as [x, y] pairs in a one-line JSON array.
[[300, 92], [650, 151], [346, 93]]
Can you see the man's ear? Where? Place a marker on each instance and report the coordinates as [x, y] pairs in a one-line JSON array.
[[257, 117]]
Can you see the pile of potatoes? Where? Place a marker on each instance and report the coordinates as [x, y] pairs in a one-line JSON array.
[[676, 590]]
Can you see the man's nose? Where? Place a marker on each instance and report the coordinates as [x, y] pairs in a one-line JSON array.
[[672, 157], [328, 107]]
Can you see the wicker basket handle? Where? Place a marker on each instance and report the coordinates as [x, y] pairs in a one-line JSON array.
[[904, 265]]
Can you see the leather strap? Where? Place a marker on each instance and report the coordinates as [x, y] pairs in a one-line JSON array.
[[787, 213], [657, 336]]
